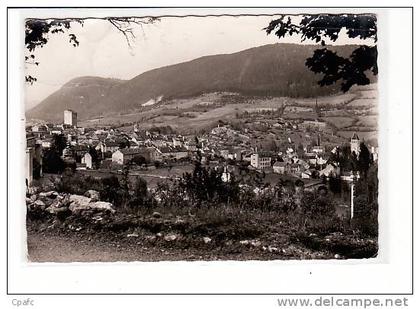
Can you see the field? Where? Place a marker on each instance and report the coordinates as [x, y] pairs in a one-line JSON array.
[[340, 122], [349, 112]]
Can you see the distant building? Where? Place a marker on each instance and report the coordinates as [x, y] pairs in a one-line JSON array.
[[279, 167], [107, 145], [87, 160], [355, 144], [329, 170], [318, 149], [123, 156], [314, 124], [33, 160], [374, 151], [260, 161], [70, 117], [226, 176], [173, 152]]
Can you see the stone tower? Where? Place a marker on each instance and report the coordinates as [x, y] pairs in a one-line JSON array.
[[355, 144]]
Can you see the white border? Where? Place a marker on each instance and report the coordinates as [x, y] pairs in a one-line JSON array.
[[392, 275]]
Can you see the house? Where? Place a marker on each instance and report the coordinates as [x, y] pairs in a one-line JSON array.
[[46, 143], [328, 171], [39, 128], [318, 149], [177, 153], [107, 145], [261, 160], [314, 124], [81, 166], [87, 160], [349, 176], [279, 167], [176, 142], [306, 174], [80, 150], [122, 156], [133, 144], [226, 175], [224, 153], [57, 130], [295, 168]]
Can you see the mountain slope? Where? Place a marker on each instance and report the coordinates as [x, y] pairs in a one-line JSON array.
[[274, 70]]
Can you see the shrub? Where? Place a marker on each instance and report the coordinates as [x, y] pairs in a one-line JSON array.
[[365, 215]]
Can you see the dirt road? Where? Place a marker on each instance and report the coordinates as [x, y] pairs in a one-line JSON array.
[[52, 247]]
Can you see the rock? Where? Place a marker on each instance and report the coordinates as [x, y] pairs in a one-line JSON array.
[[255, 243], [33, 190], [150, 238], [47, 201], [170, 237], [79, 202], [104, 206], [60, 204], [156, 215], [97, 218], [93, 195], [244, 242], [84, 205], [49, 194], [39, 204], [206, 240], [56, 210], [133, 235], [229, 243], [337, 256], [159, 235], [179, 221]]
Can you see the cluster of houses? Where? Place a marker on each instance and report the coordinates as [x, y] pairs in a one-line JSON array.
[[223, 143]]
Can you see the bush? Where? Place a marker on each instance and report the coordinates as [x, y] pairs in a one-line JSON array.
[[77, 184], [365, 216], [314, 206]]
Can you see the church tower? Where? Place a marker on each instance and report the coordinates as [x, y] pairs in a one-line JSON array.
[[355, 144]]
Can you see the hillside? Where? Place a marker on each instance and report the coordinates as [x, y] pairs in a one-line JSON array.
[[270, 70]]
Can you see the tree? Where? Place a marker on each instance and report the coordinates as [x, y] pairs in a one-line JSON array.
[[96, 158], [320, 27], [59, 143], [205, 185], [111, 190], [365, 160], [124, 144], [138, 160], [38, 31], [140, 196], [52, 161]]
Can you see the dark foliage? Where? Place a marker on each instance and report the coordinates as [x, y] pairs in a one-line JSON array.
[[365, 160], [52, 161], [351, 70], [205, 185], [139, 160], [37, 34]]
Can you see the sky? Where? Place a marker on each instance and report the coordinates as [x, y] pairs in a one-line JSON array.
[[103, 51]]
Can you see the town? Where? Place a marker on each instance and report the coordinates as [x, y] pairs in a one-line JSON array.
[[305, 172], [223, 147]]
